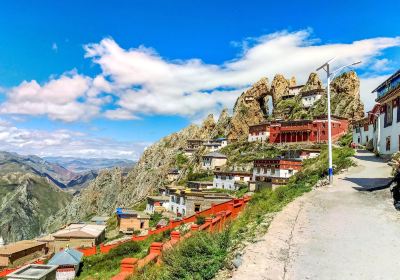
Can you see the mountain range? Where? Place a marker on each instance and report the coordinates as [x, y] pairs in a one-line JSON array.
[[33, 189]]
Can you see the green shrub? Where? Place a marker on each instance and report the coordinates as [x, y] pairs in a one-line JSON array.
[[154, 219], [199, 257], [200, 220]]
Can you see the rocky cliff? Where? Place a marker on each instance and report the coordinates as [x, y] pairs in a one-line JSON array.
[[26, 202]]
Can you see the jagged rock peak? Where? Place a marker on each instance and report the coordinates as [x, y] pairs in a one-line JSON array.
[[313, 82], [223, 116], [279, 88], [292, 81], [347, 82], [208, 123]]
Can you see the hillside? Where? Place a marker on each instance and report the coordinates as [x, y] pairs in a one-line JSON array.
[[26, 201], [111, 189]]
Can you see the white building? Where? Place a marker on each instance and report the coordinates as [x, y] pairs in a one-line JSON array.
[[230, 180], [308, 98], [159, 204], [259, 132], [215, 144], [177, 203], [387, 126], [275, 167], [214, 160], [363, 131], [295, 90]]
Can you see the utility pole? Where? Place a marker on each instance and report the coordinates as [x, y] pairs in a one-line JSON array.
[[330, 75]]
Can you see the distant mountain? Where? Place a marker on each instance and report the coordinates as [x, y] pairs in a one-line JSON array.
[[80, 165], [26, 202]]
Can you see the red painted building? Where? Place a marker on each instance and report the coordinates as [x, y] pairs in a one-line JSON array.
[[315, 131]]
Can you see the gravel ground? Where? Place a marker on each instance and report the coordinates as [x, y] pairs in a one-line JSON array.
[[339, 232]]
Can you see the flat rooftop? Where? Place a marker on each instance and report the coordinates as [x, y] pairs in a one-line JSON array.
[[32, 271], [81, 231], [19, 246]]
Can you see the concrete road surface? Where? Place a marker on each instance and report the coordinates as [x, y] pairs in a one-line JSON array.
[[340, 232]]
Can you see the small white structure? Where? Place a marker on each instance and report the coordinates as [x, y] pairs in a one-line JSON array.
[[2, 243], [215, 144], [34, 272], [259, 132], [308, 98], [157, 204], [295, 90], [363, 131], [275, 167], [68, 262], [177, 203], [309, 153], [230, 180], [214, 160]]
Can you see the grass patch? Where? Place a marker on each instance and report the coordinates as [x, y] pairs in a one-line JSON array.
[[104, 266], [199, 257]]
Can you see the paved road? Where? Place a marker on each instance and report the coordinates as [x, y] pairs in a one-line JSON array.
[[339, 232]]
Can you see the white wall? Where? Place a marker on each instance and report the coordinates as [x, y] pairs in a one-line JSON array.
[[393, 131], [279, 173], [308, 101], [362, 137], [177, 204], [261, 137]]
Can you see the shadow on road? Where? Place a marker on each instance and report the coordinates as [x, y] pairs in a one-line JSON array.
[[369, 184], [367, 156]]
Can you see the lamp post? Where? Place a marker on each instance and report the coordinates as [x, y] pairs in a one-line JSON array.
[[330, 75]]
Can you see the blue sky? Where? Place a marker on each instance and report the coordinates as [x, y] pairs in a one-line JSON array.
[[107, 78]]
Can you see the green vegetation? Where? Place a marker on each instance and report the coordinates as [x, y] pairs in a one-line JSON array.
[[246, 152], [104, 266], [201, 256], [200, 176], [346, 140], [181, 159], [154, 219], [140, 206], [200, 220]]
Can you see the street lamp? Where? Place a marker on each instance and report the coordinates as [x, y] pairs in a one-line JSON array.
[[330, 75]]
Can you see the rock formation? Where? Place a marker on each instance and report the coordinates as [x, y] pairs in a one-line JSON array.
[[345, 98], [279, 88]]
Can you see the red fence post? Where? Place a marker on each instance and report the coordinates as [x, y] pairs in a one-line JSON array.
[[209, 221], [194, 227]]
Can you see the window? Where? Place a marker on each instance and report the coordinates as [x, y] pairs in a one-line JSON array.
[[141, 224], [241, 178], [197, 208], [388, 115], [358, 140], [358, 129], [366, 138], [398, 109], [388, 143]]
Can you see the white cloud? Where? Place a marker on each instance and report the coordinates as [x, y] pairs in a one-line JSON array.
[[64, 98], [65, 143], [367, 85], [146, 83], [139, 81]]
